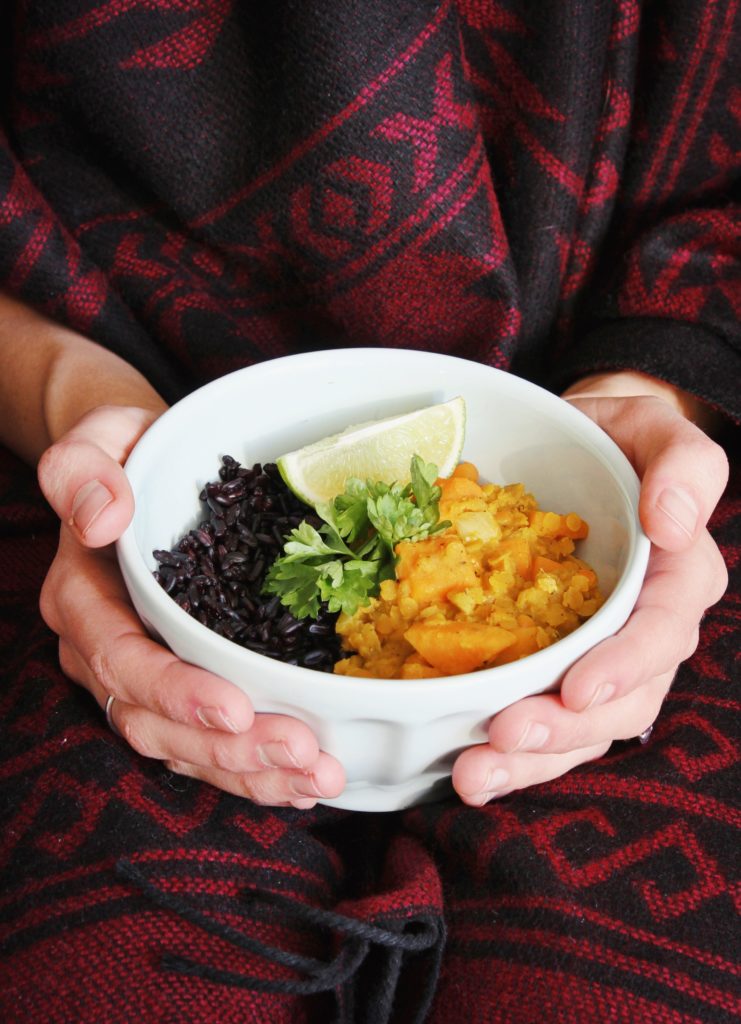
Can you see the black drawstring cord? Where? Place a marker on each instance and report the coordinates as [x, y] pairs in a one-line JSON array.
[[407, 941], [323, 976], [334, 973], [218, 928]]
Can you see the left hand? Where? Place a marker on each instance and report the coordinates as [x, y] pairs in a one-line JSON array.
[[616, 690]]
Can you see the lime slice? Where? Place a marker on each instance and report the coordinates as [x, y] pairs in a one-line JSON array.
[[378, 450]]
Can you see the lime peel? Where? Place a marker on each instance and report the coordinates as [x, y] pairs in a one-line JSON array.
[[378, 450]]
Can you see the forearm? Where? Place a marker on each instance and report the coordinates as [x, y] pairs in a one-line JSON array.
[[50, 377]]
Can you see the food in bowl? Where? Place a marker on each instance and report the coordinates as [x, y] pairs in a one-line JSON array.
[[398, 742], [494, 580], [216, 571], [500, 583]]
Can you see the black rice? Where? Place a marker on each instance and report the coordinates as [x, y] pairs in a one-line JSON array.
[[217, 570]]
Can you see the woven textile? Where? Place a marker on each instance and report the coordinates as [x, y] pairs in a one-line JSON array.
[[542, 186]]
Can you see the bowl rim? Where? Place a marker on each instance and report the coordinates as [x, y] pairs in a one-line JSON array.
[[567, 650]]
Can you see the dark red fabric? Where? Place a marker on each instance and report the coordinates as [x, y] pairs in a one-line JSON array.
[[609, 894], [199, 184], [543, 186]]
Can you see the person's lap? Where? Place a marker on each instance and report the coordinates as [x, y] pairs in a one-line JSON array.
[[129, 893]]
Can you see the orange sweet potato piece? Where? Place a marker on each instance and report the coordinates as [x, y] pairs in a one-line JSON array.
[[546, 564], [525, 643], [456, 487], [455, 647], [434, 567], [519, 548], [467, 470]]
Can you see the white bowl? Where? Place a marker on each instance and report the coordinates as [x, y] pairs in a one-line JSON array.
[[396, 739]]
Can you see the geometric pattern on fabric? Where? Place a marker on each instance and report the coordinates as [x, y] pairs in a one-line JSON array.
[[127, 893]]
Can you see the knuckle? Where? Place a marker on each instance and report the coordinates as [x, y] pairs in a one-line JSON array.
[[598, 751], [692, 641], [254, 790], [132, 734], [48, 606], [67, 661], [719, 577], [102, 669], [222, 756], [580, 734], [45, 468], [716, 461], [163, 701], [53, 465], [653, 699]]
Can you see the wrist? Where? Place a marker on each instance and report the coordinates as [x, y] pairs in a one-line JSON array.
[[84, 376], [50, 376]]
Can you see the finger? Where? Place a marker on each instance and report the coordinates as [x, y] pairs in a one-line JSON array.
[[274, 787], [82, 478], [274, 741], [481, 774], [160, 682], [543, 724], [683, 472], [681, 486], [661, 632]]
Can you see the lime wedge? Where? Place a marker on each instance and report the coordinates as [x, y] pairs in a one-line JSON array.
[[378, 450]]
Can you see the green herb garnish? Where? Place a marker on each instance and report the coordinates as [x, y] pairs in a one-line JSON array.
[[344, 562]]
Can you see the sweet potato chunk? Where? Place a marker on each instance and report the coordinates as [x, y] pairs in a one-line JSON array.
[[525, 642], [455, 487], [467, 470], [434, 567], [541, 563], [455, 647], [522, 557]]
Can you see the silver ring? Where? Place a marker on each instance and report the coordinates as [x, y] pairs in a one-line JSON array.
[[645, 736], [108, 717]]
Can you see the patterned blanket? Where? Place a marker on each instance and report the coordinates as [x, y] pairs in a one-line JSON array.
[[126, 893]]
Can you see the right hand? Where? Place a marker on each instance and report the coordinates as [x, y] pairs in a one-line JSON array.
[[197, 723]]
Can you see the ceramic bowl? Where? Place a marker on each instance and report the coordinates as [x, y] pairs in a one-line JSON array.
[[397, 739]]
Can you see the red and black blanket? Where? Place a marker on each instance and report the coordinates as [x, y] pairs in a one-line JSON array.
[[544, 186]]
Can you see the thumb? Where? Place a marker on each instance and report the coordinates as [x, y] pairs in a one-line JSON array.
[[681, 486], [683, 472], [82, 478]]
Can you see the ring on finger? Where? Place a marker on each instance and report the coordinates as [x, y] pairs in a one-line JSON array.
[[645, 736], [109, 715]]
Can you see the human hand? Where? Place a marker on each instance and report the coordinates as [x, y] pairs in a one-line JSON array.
[[197, 723], [616, 690]]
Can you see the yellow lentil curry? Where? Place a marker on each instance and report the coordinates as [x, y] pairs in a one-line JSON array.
[[500, 583]]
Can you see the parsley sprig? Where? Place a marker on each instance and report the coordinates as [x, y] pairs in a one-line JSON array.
[[344, 562]]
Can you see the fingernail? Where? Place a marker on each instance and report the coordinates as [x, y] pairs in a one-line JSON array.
[[601, 695], [275, 754], [481, 798], [303, 803], [534, 736], [680, 507], [215, 718], [496, 780], [87, 505], [305, 785]]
